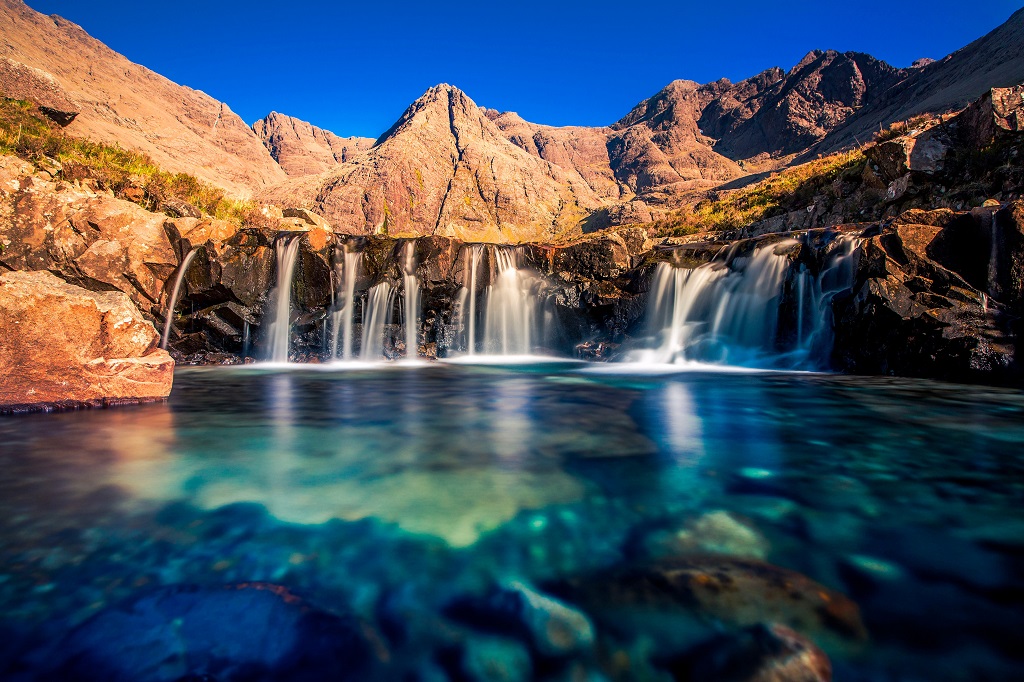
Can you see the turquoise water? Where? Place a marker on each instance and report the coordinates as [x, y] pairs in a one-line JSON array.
[[406, 489]]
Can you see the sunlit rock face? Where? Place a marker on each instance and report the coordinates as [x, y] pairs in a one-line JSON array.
[[64, 344]]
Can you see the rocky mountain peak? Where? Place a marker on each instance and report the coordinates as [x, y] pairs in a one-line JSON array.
[[301, 148]]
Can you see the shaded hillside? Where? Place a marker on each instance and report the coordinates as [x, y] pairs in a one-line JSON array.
[[117, 101]]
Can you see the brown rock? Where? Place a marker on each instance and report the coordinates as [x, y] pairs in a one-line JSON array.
[[922, 151], [64, 344], [119, 102], [303, 149], [998, 113], [306, 217]]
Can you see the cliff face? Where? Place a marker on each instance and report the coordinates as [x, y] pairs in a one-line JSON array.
[[183, 130], [444, 168], [303, 149]]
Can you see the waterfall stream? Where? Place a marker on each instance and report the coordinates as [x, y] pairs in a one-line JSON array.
[[175, 292], [342, 319], [728, 311], [411, 287], [377, 310], [287, 252]]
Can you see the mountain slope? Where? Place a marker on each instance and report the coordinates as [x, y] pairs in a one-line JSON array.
[[995, 60], [301, 148], [183, 130], [444, 168]]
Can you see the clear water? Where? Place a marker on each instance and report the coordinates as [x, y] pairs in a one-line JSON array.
[[357, 487]]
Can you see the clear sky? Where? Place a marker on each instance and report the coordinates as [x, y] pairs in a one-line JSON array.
[[352, 68]]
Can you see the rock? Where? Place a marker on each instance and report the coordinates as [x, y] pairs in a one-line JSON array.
[[64, 345], [90, 239], [240, 632], [761, 653], [303, 149], [177, 208], [553, 628], [735, 592], [118, 102], [716, 532], [999, 113], [307, 217], [922, 151]]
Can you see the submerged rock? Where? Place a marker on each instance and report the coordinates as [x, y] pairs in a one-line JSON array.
[[65, 346], [762, 653], [734, 592], [251, 631], [716, 532]]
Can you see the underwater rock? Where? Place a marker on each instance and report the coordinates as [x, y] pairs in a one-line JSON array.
[[761, 653], [494, 659], [250, 631], [553, 628], [735, 592], [716, 532], [67, 346]]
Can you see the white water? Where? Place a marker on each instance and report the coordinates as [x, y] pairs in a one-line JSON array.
[[169, 319], [512, 304], [466, 313], [814, 298], [717, 312], [342, 318], [411, 286], [280, 328], [380, 301]]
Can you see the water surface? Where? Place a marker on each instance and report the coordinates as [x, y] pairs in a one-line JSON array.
[[351, 486]]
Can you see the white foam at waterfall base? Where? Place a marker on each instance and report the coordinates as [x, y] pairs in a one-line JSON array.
[[287, 252]]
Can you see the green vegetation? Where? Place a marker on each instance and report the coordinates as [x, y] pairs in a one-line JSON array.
[[780, 193], [25, 132]]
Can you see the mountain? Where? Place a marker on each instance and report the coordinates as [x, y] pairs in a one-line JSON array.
[[117, 101], [301, 148], [445, 168], [995, 60]]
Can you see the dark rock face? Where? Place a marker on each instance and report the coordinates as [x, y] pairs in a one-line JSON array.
[[252, 631], [762, 653]]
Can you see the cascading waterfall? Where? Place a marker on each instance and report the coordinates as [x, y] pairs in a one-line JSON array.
[[814, 297], [727, 311], [342, 318], [175, 292], [380, 301], [411, 285], [511, 307], [287, 251], [468, 295]]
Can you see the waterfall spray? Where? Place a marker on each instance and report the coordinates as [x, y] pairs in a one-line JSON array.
[[380, 301], [342, 318], [411, 285]]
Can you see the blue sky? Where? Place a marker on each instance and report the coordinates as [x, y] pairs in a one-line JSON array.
[[354, 67]]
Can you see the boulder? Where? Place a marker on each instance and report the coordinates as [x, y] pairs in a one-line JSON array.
[[64, 345], [919, 152], [251, 631], [999, 113], [761, 653], [307, 217], [19, 81]]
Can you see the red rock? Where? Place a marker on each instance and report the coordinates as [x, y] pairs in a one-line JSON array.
[[303, 149], [67, 345]]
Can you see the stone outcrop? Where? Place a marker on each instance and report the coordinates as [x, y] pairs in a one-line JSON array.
[[183, 130], [89, 238], [65, 346], [303, 149], [445, 169], [937, 295], [18, 81]]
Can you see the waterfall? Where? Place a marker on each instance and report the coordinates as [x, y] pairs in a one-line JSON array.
[[411, 286], [728, 311], [380, 301], [814, 298], [287, 250], [342, 318], [169, 320], [511, 307], [468, 295]]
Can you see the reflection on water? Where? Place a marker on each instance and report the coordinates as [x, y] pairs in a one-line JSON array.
[[906, 496]]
